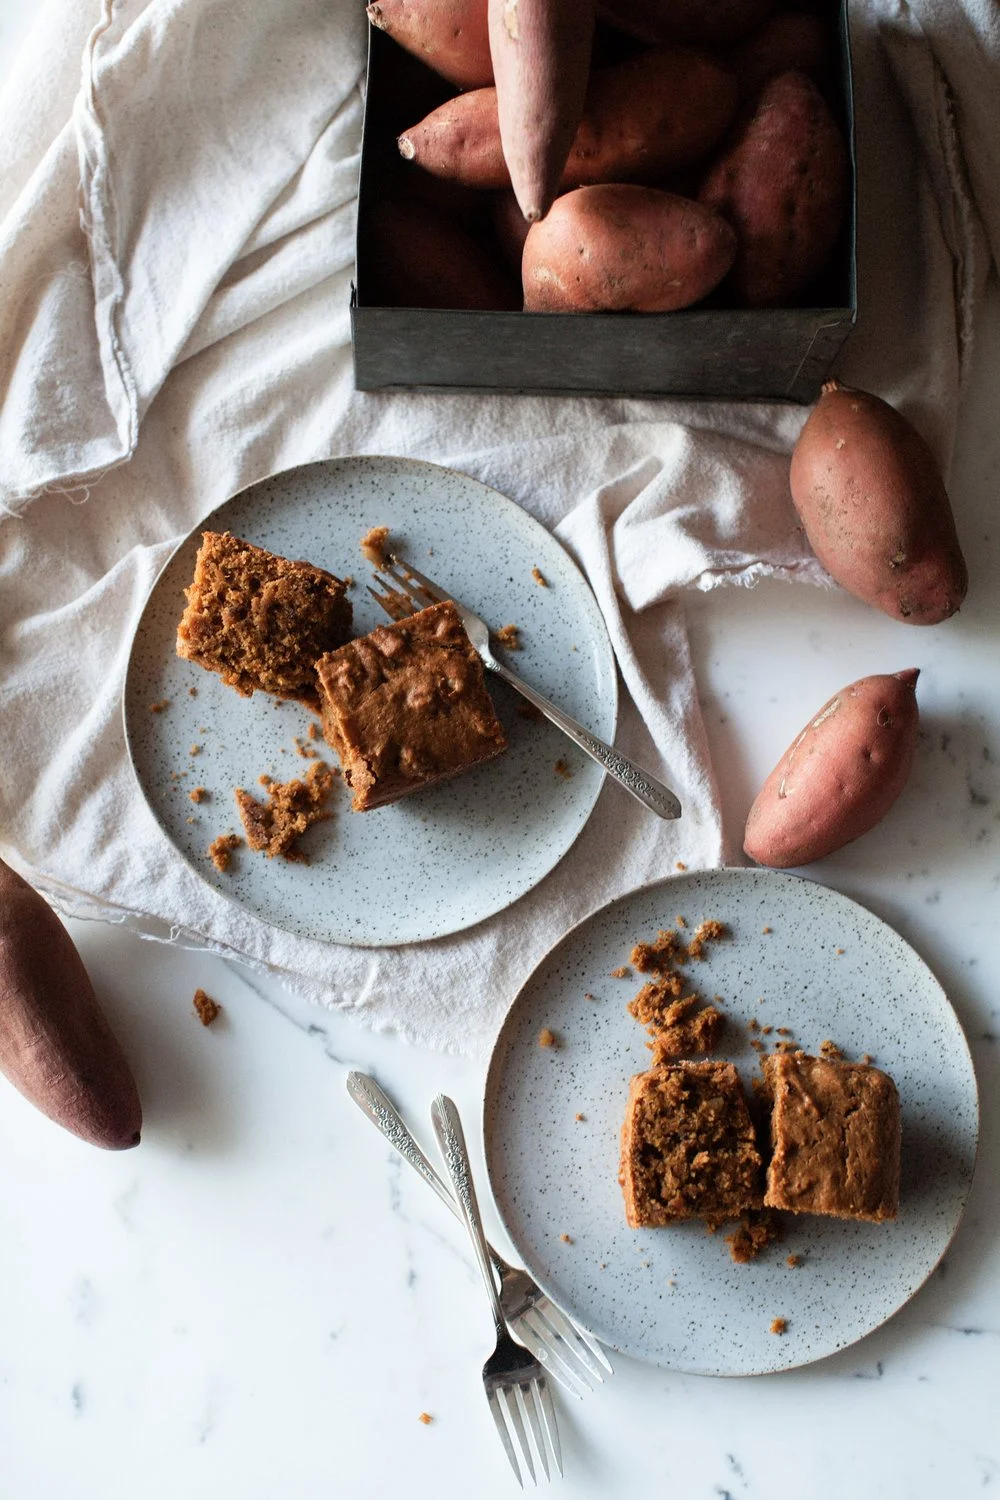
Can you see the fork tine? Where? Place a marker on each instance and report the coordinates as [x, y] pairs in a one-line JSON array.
[[527, 1395], [497, 1414], [514, 1418], [558, 1325], [397, 605], [423, 591], [544, 1395], [436, 593], [549, 1354]]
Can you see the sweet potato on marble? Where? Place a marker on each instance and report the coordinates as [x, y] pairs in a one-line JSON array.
[[420, 257], [541, 64], [55, 1045], [708, 23], [782, 182], [840, 775], [643, 118], [618, 246], [875, 509], [450, 36]]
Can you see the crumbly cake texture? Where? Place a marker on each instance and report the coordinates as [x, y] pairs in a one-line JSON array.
[[220, 850], [758, 1228], [291, 808], [835, 1134], [407, 706], [206, 1009], [374, 544], [688, 1146], [679, 1028], [261, 621]]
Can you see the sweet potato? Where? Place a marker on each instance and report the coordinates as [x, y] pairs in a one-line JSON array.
[[55, 1045], [618, 247], [642, 118], [419, 257], [709, 23], [840, 776], [541, 63], [450, 36], [789, 40], [875, 509], [782, 183]]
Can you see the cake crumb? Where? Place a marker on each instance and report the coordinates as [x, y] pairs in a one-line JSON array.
[[566, 1239], [426, 1418], [194, 750], [546, 1038], [206, 1008], [579, 1117], [622, 972], [540, 578], [766, 929], [314, 730], [220, 850], [766, 1030], [562, 769], [680, 921], [753, 1024], [292, 807], [509, 636], [190, 820], [793, 1260], [656, 957], [779, 1325], [830, 1049], [589, 996], [680, 865], [373, 545], [159, 706], [192, 692], [198, 794], [783, 1030], [758, 1228], [838, 951]]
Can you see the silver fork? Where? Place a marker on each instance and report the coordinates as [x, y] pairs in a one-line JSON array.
[[514, 1381], [414, 589], [568, 1354]]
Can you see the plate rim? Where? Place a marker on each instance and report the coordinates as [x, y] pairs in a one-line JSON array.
[[603, 638], [489, 1085]]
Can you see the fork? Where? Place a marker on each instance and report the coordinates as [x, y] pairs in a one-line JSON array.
[[514, 1381], [565, 1350], [413, 588]]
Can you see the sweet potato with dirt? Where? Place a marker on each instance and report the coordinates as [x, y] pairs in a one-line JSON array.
[[55, 1045], [782, 182], [707, 23], [788, 41], [541, 64], [875, 509], [620, 247], [643, 118], [418, 256], [840, 776], [450, 36]]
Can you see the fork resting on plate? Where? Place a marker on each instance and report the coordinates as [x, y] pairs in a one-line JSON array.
[[413, 591]]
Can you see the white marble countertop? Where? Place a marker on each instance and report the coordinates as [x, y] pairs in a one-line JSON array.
[[261, 1300]]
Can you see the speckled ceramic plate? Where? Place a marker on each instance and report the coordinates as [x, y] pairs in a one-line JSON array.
[[799, 956], [441, 859]]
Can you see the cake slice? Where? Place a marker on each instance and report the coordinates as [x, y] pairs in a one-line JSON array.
[[261, 621], [688, 1146], [407, 706], [835, 1133]]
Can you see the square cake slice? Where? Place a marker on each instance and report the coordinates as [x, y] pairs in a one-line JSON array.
[[407, 706], [688, 1146], [835, 1133], [260, 620]]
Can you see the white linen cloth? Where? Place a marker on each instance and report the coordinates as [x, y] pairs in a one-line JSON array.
[[175, 259]]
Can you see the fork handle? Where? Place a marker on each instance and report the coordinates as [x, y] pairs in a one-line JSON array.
[[379, 1108], [451, 1139], [652, 793]]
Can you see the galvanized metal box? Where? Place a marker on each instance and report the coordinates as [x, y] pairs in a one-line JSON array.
[[705, 351]]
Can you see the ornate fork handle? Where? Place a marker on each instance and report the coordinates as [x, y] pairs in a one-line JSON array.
[[379, 1108], [652, 793]]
